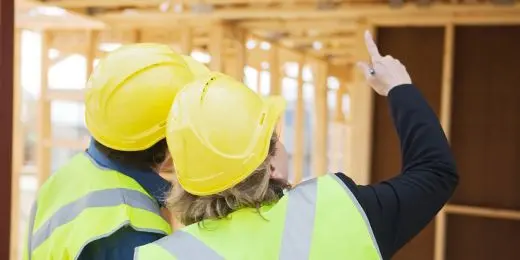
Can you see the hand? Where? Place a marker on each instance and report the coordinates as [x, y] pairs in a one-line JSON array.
[[387, 72]]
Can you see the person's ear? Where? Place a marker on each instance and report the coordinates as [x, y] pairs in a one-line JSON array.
[[279, 163]]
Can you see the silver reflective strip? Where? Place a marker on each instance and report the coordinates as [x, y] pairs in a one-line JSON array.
[[101, 198], [361, 211], [30, 229], [183, 246], [299, 221]]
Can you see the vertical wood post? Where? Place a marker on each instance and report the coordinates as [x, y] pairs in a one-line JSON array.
[[445, 118], [321, 126], [299, 139], [216, 47], [43, 153], [18, 144], [361, 109]]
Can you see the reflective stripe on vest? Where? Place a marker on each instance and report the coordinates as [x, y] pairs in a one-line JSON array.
[[62, 224], [101, 198], [297, 234], [34, 208]]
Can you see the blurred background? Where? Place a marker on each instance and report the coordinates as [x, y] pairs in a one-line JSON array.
[[462, 54]]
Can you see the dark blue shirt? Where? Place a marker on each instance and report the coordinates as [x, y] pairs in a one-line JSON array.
[[121, 243]]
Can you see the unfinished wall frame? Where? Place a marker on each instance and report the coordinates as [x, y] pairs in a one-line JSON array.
[[445, 114], [352, 22]]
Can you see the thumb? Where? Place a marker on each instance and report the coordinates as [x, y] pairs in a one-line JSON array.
[[363, 66]]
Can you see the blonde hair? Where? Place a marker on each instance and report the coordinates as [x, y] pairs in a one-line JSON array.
[[256, 190]]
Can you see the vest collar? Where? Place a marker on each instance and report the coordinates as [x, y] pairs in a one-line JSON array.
[[150, 180]]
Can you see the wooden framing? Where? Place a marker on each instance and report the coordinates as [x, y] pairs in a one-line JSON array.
[[18, 144], [445, 118], [43, 157], [358, 163], [321, 126], [298, 155], [291, 31]]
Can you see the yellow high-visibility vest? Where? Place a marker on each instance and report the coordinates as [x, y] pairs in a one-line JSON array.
[[68, 214], [318, 219]]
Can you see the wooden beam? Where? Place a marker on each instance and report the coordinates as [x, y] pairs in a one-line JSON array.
[[18, 142], [309, 56], [299, 25], [339, 116], [320, 133], [275, 86], [43, 156], [239, 42], [348, 12], [259, 81], [299, 138], [29, 15], [344, 39], [147, 3], [91, 50], [187, 40], [104, 3], [274, 69], [358, 162], [445, 118], [137, 36], [483, 212], [216, 47], [491, 17]]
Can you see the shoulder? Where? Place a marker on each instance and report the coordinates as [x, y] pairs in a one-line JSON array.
[[119, 245], [340, 181]]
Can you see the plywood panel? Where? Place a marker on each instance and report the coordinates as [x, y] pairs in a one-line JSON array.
[[472, 238], [485, 121], [421, 50]]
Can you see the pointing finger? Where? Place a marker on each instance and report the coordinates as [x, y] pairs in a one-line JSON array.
[[371, 46]]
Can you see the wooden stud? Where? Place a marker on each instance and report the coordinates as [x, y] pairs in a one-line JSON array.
[[275, 87], [18, 144], [43, 156], [216, 47], [91, 50], [339, 117], [445, 118], [274, 70], [240, 57], [259, 82], [321, 126], [299, 138], [187, 40], [360, 136], [137, 37]]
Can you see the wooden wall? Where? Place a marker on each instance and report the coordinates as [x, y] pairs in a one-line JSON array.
[[484, 133], [485, 137]]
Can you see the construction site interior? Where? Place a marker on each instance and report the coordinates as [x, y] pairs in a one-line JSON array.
[[462, 54]]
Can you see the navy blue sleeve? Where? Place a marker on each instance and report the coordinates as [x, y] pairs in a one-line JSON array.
[[119, 245], [399, 208]]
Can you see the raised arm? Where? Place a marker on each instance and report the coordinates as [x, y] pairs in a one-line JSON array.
[[399, 208]]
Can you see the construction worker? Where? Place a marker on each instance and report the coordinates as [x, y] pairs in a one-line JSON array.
[[221, 138], [106, 201]]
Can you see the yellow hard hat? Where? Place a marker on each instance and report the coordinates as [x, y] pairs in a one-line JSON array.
[[196, 67], [219, 132], [130, 92]]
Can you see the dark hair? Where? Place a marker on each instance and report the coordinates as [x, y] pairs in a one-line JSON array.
[[144, 159]]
